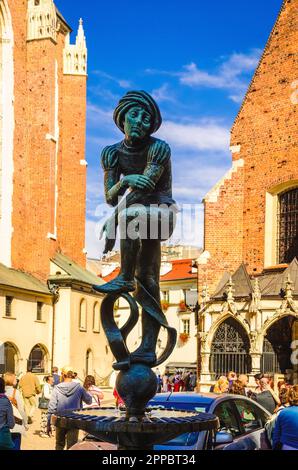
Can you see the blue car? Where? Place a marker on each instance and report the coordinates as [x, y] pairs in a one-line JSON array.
[[241, 420]]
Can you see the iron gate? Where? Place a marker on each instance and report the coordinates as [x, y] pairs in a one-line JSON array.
[[230, 349], [269, 362]]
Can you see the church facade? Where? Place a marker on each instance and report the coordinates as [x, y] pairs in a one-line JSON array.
[[46, 300], [248, 287]]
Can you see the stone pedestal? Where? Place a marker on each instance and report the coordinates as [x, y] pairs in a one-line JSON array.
[[255, 363]]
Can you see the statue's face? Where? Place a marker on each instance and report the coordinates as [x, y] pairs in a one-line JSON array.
[[137, 124]]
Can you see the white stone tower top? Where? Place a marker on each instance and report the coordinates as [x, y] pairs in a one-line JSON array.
[[75, 55], [42, 22]]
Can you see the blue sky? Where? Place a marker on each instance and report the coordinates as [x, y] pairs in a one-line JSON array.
[[195, 57]]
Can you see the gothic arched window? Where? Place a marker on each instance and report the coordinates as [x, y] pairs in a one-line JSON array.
[[38, 359], [288, 226], [83, 315], [96, 318], [230, 349]]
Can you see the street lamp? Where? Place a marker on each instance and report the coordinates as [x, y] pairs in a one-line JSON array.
[[192, 302], [202, 260]]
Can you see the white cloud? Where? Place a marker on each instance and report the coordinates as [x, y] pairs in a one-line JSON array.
[[204, 136], [163, 94], [104, 93], [93, 244], [189, 226], [231, 74], [122, 83], [100, 120], [96, 114]]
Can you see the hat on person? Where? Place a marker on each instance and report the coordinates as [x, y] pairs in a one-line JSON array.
[[138, 98], [67, 370]]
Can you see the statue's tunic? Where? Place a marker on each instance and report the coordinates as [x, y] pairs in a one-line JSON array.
[[120, 160]]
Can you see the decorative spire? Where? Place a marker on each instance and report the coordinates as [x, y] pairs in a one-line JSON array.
[[289, 288], [230, 290], [230, 305], [256, 297], [205, 295], [81, 39], [75, 55], [288, 302], [42, 22]]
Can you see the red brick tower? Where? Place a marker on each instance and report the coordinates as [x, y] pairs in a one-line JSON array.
[[49, 126]]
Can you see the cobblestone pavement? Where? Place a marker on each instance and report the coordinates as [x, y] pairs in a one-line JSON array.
[[33, 441]]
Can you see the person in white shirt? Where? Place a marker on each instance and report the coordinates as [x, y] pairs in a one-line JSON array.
[[47, 391], [17, 402]]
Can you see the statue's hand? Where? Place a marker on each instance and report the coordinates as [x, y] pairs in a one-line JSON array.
[[109, 230], [159, 152], [139, 182]]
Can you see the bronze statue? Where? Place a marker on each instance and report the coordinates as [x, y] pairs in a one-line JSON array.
[[138, 170]]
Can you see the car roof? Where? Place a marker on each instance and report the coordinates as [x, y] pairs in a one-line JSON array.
[[199, 399], [189, 397]]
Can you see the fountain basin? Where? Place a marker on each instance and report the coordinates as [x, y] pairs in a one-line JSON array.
[[159, 426]]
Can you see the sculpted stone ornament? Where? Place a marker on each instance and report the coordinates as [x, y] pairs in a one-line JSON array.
[[138, 183]]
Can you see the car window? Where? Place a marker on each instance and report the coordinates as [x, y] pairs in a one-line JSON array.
[[227, 418], [262, 415], [250, 415]]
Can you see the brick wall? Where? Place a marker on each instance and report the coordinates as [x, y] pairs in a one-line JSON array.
[[223, 230], [266, 128], [20, 133], [72, 189]]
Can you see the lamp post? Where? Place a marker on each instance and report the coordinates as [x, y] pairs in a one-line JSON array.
[[192, 303], [202, 260]]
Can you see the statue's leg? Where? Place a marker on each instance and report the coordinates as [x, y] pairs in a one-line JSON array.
[[148, 272], [130, 246]]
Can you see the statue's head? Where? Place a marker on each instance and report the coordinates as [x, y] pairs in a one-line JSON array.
[[137, 115]]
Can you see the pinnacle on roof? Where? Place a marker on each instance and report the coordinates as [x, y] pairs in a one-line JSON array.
[[81, 39]]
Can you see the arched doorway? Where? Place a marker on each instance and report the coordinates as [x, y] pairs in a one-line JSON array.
[[230, 349], [6, 131], [276, 358], [10, 359], [38, 360]]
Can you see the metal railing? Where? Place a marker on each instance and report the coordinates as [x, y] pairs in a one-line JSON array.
[[223, 363]]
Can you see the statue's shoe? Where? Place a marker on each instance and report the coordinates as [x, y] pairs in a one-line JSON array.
[[117, 286]]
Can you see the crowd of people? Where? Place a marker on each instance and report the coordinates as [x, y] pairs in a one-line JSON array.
[[262, 391], [19, 400], [65, 392], [176, 382], [282, 428]]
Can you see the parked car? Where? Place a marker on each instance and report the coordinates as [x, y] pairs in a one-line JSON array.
[[241, 420]]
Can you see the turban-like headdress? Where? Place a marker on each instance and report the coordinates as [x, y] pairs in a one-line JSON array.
[[138, 98]]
